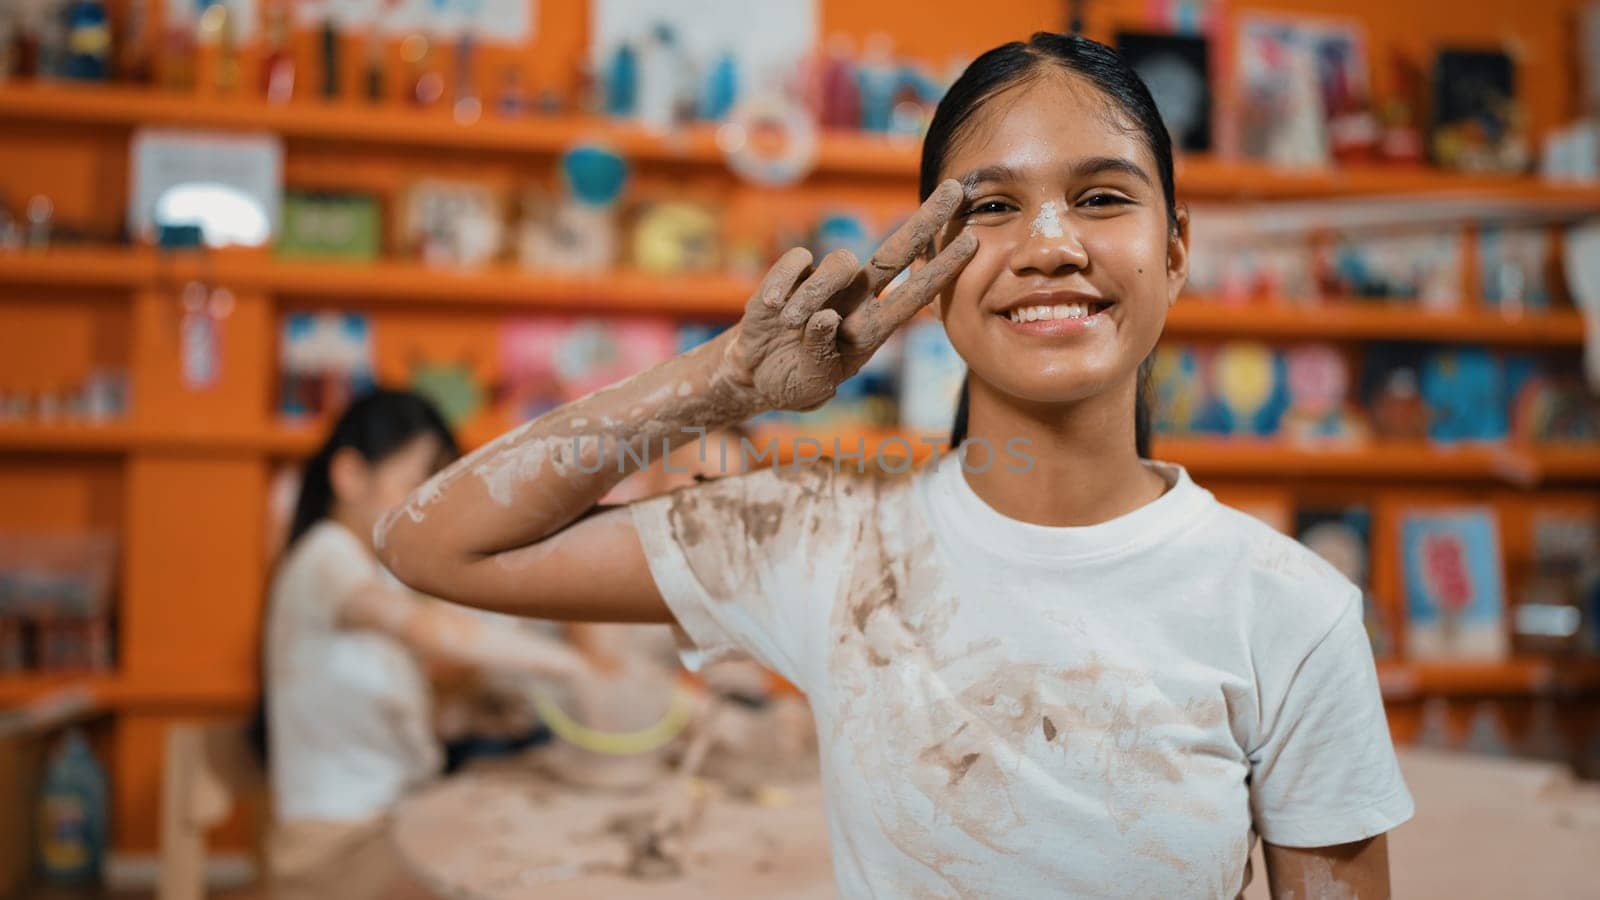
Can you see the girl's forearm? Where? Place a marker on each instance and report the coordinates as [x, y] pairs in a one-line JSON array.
[[452, 635], [538, 478]]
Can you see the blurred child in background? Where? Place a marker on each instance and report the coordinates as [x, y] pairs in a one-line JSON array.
[[349, 709]]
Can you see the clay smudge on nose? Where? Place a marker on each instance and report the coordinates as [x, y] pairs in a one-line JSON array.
[[1048, 222], [1049, 728]]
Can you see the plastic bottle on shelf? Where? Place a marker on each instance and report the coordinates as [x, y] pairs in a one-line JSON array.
[[721, 88], [133, 57], [662, 70], [88, 52], [622, 81], [72, 814], [277, 70], [878, 79]]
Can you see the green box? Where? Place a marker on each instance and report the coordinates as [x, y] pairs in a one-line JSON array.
[[330, 226]]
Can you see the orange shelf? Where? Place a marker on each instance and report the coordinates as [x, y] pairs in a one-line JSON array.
[[715, 295], [385, 282], [91, 439], [1240, 180], [120, 692], [129, 106], [1419, 460], [1401, 680], [838, 153], [1202, 317], [1243, 458]]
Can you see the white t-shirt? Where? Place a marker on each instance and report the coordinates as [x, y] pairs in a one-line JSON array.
[[1013, 710], [349, 710]]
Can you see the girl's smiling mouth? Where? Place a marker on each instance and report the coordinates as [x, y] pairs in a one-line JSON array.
[[1055, 313]]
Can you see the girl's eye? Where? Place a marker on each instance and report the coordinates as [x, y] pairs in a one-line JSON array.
[[1105, 200], [986, 207]]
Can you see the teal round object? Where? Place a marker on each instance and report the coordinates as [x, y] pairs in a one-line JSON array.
[[595, 175]]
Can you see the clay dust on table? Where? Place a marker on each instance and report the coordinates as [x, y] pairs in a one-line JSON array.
[[516, 835]]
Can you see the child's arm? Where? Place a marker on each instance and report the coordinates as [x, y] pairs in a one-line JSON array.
[[1359, 871], [442, 633], [514, 527]]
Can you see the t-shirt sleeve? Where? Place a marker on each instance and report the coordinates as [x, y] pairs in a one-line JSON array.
[[1325, 771], [339, 566], [749, 563]]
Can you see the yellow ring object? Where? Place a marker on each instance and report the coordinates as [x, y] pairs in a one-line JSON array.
[[624, 743]]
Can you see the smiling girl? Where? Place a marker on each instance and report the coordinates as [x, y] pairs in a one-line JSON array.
[[1063, 672]]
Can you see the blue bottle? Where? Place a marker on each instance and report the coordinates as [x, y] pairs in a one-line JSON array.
[[72, 814], [722, 88], [622, 82], [88, 41]]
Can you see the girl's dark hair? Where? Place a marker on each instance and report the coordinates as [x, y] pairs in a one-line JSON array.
[[376, 425], [1017, 62]]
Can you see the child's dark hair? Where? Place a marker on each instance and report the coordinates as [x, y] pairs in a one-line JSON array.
[[376, 425], [1014, 63]]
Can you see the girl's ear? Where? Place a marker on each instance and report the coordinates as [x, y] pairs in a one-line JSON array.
[[1178, 255], [347, 473]]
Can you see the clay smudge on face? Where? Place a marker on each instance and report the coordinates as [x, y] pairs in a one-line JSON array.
[[1048, 727], [1047, 223]]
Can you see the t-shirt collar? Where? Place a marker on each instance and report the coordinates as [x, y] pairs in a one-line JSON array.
[[957, 509]]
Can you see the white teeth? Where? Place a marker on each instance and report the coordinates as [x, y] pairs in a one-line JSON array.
[[1059, 311]]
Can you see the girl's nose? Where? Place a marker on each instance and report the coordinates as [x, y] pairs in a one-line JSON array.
[[1051, 246]]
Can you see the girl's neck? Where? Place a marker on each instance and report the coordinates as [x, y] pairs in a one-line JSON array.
[[352, 523], [1080, 463]]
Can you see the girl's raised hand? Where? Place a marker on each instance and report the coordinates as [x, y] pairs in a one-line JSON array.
[[806, 330]]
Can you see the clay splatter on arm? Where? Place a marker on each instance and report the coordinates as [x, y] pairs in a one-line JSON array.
[[1355, 871], [803, 332]]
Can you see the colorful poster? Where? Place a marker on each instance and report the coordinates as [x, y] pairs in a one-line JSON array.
[[324, 360], [548, 361], [1454, 595]]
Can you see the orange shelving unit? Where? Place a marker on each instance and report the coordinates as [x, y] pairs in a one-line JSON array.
[[185, 479], [838, 154]]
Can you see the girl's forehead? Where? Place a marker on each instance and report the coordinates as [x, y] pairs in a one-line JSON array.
[[1042, 127]]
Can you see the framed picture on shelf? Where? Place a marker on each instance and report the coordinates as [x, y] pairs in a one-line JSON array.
[[1176, 68], [1342, 535], [1454, 596], [1292, 76]]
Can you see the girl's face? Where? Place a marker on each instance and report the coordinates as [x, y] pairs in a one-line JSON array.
[[365, 491], [1076, 264]]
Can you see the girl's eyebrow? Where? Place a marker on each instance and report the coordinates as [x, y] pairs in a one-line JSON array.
[[1100, 165], [987, 174]]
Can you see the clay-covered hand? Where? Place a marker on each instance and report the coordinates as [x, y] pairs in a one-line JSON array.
[[806, 330]]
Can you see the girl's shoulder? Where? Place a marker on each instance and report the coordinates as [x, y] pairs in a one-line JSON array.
[[327, 554], [1278, 572]]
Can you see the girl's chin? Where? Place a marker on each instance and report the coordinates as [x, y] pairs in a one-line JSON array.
[[1054, 388]]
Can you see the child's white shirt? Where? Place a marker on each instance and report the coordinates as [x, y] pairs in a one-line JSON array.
[[349, 710], [1013, 710]]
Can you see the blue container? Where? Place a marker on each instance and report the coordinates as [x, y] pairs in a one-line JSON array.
[[72, 814]]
